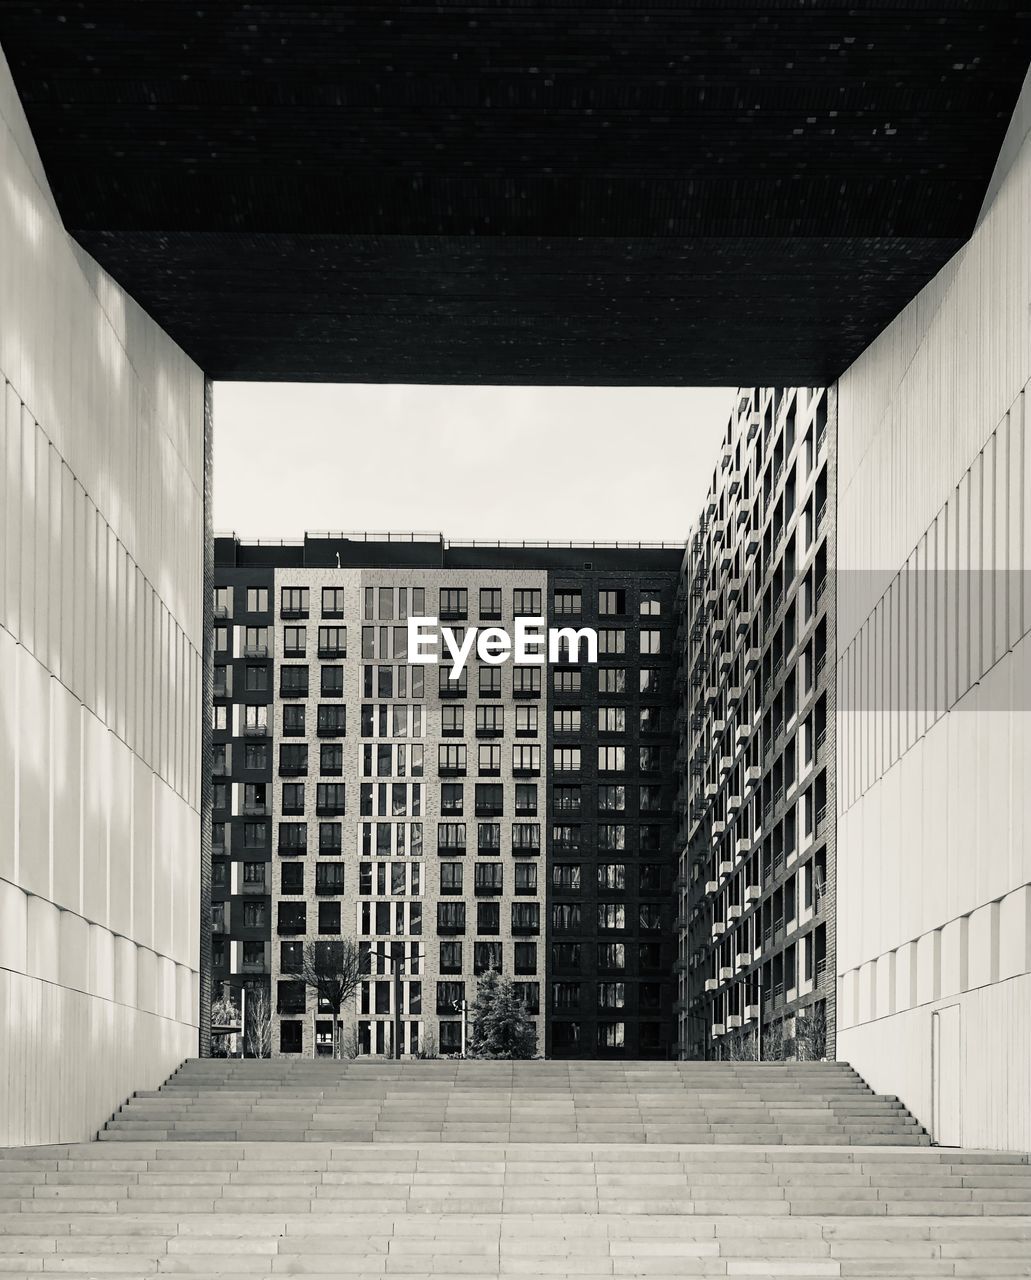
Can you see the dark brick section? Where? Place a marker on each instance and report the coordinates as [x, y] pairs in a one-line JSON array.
[[245, 838], [520, 193], [590, 990]]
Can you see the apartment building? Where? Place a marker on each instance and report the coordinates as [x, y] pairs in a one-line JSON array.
[[518, 818], [755, 756]]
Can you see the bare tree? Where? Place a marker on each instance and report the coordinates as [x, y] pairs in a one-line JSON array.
[[224, 1013], [334, 971], [259, 1023]]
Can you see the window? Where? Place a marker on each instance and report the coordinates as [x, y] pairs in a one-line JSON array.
[[490, 603], [254, 915], [488, 837], [611, 915], [293, 682], [451, 836], [526, 877], [648, 679], [526, 721], [454, 603], [565, 956], [329, 916], [526, 758], [451, 877], [611, 642], [291, 878], [486, 956], [651, 878], [611, 1035], [611, 995], [566, 759], [649, 955], [651, 603], [450, 996], [612, 680], [566, 679], [293, 759], [526, 682], [329, 798], [611, 798], [331, 722], [332, 642], [221, 639], [255, 679], [612, 875], [566, 799], [650, 838], [332, 685], [332, 602], [489, 758], [449, 1037], [565, 838], [255, 719], [293, 797], [291, 957], [293, 837], [489, 798], [220, 718], [565, 916], [449, 688], [526, 603], [293, 602], [650, 641], [650, 798], [490, 721], [451, 956], [565, 720], [651, 916], [329, 877], [612, 759], [451, 797], [565, 995], [294, 642], [257, 599], [255, 835], [526, 917], [452, 721], [488, 914], [254, 874], [289, 1037], [451, 917], [525, 957], [611, 836], [330, 838], [566, 876], [611, 602], [568, 604], [612, 956], [526, 797], [612, 720], [526, 837], [651, 759], [451, 758], [291, 918], [490, 682]]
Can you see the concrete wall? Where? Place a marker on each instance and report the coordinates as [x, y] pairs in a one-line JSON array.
[[934, 687], [101, 461]]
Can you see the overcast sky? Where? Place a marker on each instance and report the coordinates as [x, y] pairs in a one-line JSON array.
[[593, 463]]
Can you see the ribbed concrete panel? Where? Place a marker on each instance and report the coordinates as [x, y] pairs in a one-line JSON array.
[[101, 459], [934, 684]]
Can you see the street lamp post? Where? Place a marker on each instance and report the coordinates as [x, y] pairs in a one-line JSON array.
[[461, 1006]]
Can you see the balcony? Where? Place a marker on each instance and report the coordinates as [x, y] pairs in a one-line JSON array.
[[743, 847], [726, 973], [255, 650], [753, 775], [711, 984], [711, 886], [743, 959], [726, 868], [719, 928], [733, 912], [255, 810], [718, 1029], [252, 888], [254, 730]]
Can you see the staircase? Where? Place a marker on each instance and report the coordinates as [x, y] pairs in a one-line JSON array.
[[444, 1168], [539, 1102]]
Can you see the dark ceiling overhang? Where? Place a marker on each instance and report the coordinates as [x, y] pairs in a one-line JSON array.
[[520, 192]]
